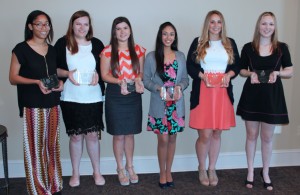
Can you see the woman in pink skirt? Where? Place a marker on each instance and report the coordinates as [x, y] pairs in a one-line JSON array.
[[212, 62]]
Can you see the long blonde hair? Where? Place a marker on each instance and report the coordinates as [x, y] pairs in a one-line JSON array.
[[203, 42], [256, 36]]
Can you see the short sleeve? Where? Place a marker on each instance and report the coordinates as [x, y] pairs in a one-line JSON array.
[[286, 57], [244, 61], [140, 51], [18, 51], [106, 51]]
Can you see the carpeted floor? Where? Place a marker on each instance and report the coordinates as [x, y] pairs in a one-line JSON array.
[[286, 181]]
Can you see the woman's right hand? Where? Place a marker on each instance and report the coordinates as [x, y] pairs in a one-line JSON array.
[[123, 86], [71, 77], [254, 78], [43, 89], [205, 79]]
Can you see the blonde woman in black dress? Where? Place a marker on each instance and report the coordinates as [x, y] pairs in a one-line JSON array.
[[264, 61]]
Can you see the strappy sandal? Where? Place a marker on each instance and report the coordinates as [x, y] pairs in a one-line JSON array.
[[132, 177], [123, 179]]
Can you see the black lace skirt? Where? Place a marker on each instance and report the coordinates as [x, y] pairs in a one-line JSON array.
[[82, 118]]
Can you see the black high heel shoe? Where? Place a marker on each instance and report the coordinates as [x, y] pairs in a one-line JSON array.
[[171, 184], [247, 183], [162, 185], [266, 185]]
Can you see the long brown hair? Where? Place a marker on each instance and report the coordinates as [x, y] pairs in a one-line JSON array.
[[114, 48], [256, 36], [71, 41], [203, 42]]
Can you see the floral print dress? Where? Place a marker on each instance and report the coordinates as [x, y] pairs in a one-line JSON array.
[[170, 123]]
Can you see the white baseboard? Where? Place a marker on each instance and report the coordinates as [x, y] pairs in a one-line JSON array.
[[149, 164]]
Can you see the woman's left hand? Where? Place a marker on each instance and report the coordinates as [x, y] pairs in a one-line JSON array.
[[60, 86], [225, 80], [273, 77], [139, 86], [177, 93], [95, 79]]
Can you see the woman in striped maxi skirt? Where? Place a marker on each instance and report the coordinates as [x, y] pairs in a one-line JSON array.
[[32, 61]]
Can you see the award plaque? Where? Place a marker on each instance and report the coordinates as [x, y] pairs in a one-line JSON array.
[[214, 79], [84, 77], [50, 82], [263, 75], [168, 93]]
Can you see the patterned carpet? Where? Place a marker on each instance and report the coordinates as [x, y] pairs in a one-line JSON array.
[[285, 180]]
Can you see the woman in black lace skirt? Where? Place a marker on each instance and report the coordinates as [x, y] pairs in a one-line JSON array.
[[81, 101]]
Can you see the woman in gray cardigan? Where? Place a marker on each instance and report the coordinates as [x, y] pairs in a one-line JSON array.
[[164, 68]]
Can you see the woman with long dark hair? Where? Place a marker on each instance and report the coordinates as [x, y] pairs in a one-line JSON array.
[[165, 69], [122, 68]]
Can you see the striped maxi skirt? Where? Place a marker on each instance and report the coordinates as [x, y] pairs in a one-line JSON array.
[[42, 150]]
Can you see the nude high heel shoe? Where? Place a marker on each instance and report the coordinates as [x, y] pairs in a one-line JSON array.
[[123, 179], [133, 177], [203, 178], [213, 178]]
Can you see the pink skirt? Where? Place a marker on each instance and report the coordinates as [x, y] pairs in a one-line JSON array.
[[214, 110]]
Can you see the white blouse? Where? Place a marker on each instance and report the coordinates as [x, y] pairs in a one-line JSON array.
[[83, 61], [216, 58]]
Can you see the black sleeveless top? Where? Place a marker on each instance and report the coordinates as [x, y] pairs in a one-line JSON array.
[[33, 66]]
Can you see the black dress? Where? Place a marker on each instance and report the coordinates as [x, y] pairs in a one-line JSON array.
[[264, 102]]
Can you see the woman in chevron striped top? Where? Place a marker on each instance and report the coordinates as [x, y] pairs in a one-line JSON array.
[[122, 69]]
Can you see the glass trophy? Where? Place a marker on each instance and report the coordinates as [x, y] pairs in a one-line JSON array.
[[168, 93], [263, 75], [84, 77], [214, 79], [130, 86], [50, 82]]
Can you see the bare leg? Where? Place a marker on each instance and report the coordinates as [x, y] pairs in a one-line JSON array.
[[213, 154], [252, 129], [202, 148], [170, 156], [75, 147], [162, 150], [214, 149], [267, 132], [129, 149], [119, 147], [93, 149]]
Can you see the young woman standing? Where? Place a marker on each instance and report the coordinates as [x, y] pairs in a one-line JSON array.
[[122, 65]]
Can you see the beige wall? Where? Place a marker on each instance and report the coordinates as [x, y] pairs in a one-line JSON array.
[[145, 17]]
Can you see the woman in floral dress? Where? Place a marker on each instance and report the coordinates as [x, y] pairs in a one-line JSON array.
[[166, 67]]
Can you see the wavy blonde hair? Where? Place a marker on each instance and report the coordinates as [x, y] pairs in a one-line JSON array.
[[203, 42]]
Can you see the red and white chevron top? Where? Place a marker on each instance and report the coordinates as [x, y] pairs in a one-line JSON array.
[[125, 69]]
